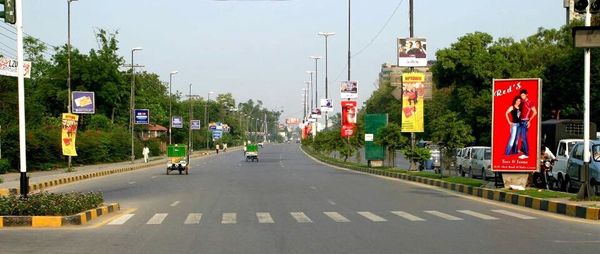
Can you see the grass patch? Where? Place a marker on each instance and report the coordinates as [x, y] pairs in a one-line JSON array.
[[465, 181], [49, 204], [541, 193]]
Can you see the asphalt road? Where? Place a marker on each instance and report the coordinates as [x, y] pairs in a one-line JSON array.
[[289, 203]]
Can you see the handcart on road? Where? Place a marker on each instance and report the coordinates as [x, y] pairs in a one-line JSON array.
[[177, 159]]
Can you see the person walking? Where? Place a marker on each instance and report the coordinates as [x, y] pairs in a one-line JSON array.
[[217, 148], [146, 153]]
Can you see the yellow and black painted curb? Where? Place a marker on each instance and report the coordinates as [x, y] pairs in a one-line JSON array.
[[65, 180], [572, 210], [57, 221]]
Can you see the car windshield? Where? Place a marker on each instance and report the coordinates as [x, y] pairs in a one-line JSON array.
[[488, 154], [596, 152]]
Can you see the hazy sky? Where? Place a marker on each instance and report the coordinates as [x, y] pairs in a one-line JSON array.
[[261, 49]]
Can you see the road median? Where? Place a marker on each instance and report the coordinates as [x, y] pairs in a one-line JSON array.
[[58, 221], [540, 204]]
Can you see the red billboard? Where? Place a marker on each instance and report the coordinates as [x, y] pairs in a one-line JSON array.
[[349, 113], [516, 105]]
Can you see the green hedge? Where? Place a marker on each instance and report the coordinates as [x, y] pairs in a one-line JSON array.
[[4, 167], [49, 204]]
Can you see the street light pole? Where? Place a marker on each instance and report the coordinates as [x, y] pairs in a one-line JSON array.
[[316, 58], [206, 116], [69, 109], [132, 103], [170, 106], [326, 35], [310, 91]]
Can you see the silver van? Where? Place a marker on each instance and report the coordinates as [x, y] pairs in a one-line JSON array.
[[481, 163], [466, 162]]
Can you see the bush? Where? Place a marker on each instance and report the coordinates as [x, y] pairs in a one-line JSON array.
[[49, 204], [4, 167]]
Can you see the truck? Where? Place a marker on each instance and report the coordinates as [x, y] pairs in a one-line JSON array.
[[560, 136]]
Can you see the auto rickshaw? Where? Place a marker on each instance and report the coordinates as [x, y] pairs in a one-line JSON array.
[[177, 159], [252, 152]]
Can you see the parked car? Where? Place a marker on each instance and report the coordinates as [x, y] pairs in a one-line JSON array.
[[481, 164], [573, 177], [563, 149], [466, 163], [458, 158]]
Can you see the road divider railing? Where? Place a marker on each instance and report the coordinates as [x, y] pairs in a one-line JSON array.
[[35, 187], [58, 221], [540, 204]]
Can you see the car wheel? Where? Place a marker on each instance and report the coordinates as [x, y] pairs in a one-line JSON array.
[[568, 186], [560, 183]]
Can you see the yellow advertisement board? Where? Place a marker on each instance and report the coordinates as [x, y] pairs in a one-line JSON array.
[[69, 133], [413, 90]]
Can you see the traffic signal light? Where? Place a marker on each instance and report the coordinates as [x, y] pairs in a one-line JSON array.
[[581, 5], [9, 14]]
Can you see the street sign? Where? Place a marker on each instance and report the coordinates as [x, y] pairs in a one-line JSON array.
[[586, 36], [8, 67], [83, 102], [195, 125], [142, 116], [177, 122]]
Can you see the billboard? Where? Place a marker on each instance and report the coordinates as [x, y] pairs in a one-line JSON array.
[[177, 122], [69, 133], [413, 90], [315, 113], [195, 125], [349, 90], [412, 52], [349, 113], [83, 102], [292, 121], [516, 125], [327, 105], [8, 67], [141, 116]]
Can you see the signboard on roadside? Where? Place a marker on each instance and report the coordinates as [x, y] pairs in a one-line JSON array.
[[177, 122], [349, 113], [516, 105], [327, 105], [8, 67], [83, 102], [142, 116], [412, 52], [195, 125], [349, 89]]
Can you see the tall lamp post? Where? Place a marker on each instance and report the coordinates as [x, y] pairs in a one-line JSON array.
[[316, 58], [326, 35], [310, 91], [132, 102], [170, 106], [69, 110], [206, 116]]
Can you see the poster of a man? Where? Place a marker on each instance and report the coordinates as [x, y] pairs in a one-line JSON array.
[[349, 90], [412, 52]]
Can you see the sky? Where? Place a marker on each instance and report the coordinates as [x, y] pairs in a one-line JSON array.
[[260, 49]]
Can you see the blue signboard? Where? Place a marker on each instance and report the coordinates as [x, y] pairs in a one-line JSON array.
[[217, 134], [83, 102], [142, 116], [195, 124], [177, 122]]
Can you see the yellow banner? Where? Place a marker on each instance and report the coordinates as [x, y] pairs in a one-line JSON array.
[[69, 133], [413, 90]]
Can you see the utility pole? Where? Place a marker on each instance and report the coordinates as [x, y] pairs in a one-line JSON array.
[[349, 55], [326, 35], [69, 98], [585, 191], [206, 115], [24, 185], [170, 106], [412, 34], [132, 103]]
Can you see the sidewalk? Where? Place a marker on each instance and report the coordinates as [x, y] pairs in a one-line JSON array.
[[11, 180]]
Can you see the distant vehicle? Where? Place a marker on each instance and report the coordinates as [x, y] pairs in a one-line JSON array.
[[466, 164], [574, 178], [297, 141], [261, 144], [458, 158], [481, 164]]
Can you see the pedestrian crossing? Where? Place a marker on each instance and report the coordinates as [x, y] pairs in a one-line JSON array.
[[230, 218]]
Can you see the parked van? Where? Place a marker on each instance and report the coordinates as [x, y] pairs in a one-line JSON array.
[[481, 163], [562, 156], [466, 162], [574, 178]]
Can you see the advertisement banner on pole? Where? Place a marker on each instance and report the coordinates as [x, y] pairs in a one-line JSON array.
[[83, 102], [412, 52], [349, 113], [195, 125], [349, 89], [177, 122], [69, 133], [315, 113], [412, 102], [327, 105], [8, 67], [142, 116], [292, 121], [516, 125]]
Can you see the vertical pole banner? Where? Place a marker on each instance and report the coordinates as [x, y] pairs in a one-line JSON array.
[[348, 118], [516, 125], [413, 90], [69, 133]]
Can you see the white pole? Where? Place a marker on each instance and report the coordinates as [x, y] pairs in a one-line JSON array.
[[21, 93], [584, 191]]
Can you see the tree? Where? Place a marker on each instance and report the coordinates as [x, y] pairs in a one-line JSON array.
[[391, 137]]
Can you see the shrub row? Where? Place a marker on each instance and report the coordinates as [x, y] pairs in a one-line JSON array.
[[49, 204]]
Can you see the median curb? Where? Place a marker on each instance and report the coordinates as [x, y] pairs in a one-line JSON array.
[[57, 221], [71, 179], [571, 210]]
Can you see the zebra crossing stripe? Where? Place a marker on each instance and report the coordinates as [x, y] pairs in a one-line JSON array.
[[372, 217], [157, 219], [443, 215], [407, 216], [264, 218], [193, 218], [300, 217], [121, 220], [336, 217], [229, 218], [512, 214], [477, 215]]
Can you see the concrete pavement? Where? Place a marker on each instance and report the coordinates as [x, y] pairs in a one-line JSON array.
[[288, 203]]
